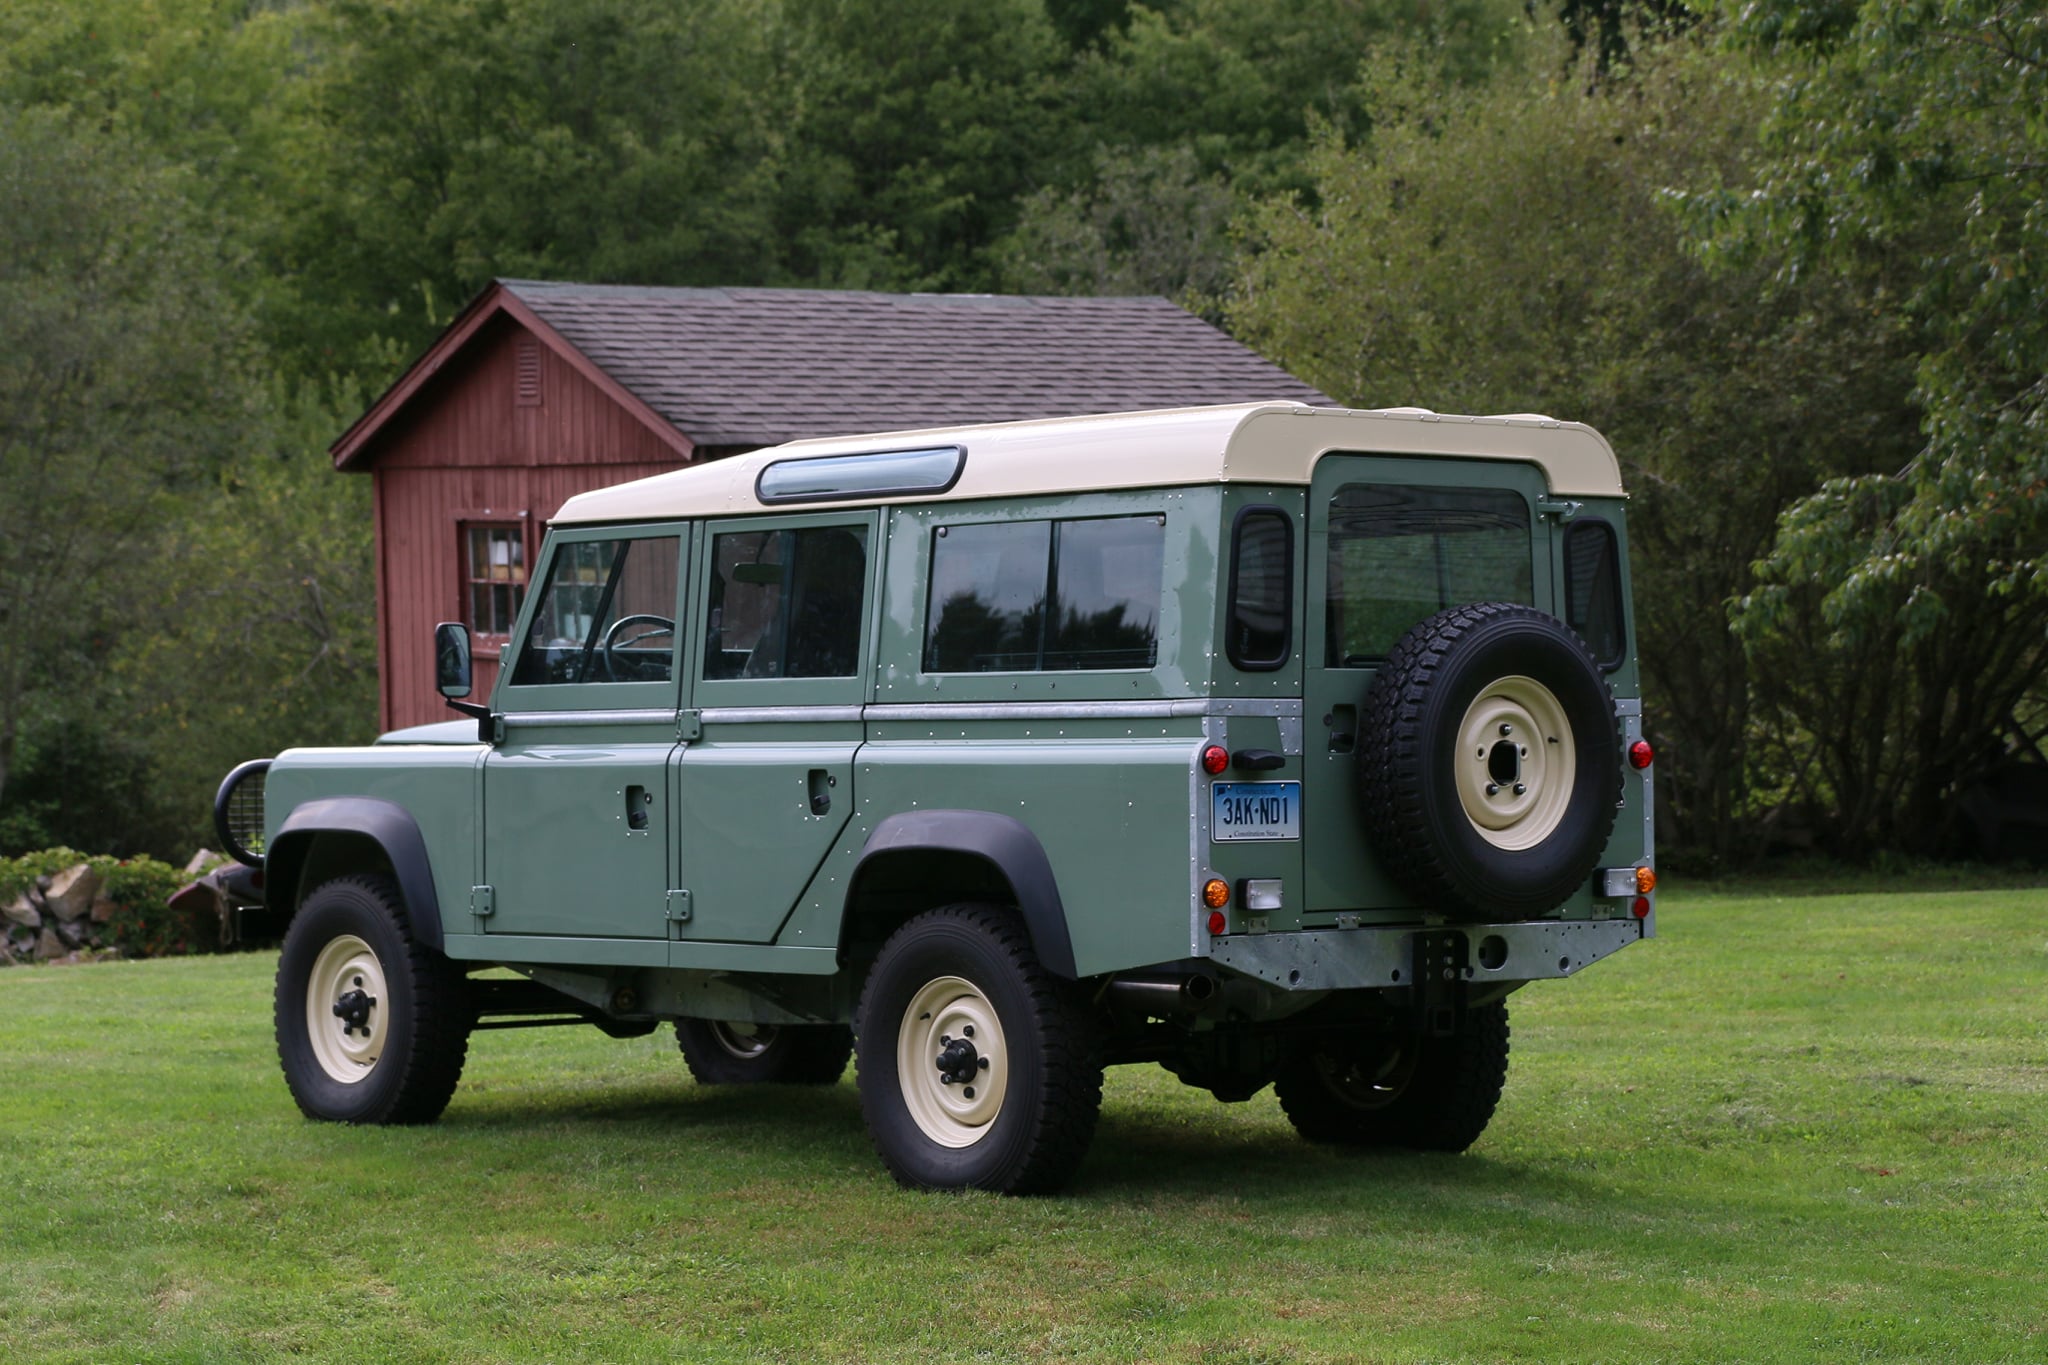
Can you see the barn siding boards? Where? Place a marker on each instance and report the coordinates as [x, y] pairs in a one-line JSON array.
[[419, 516], [473, 417]]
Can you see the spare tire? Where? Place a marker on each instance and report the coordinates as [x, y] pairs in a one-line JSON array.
[[1490, 763]]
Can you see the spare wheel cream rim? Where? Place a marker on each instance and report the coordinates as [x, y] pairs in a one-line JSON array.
[[1515, 763], [347, 1043], [951, 1061]]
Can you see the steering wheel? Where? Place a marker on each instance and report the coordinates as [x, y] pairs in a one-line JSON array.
[[658, 626]]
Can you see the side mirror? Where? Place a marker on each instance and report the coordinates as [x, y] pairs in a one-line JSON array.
[[451, 659]]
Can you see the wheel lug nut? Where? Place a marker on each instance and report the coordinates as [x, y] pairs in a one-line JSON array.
[[945, 1038], [983, 1063], [1493, 789], [968, 1091], [968, 1031], [945, 1078], [1521, 789], [1506, 729]]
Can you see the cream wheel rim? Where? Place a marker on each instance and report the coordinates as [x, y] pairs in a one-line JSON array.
[[951, 1062], [347, 1009], [1515, 763]]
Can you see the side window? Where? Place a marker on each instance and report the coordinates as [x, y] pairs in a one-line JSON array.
[[607, 615], [1400, 554], [493, 576], [1045, 596], [1259, 635], [1592, 589], [787, 603]]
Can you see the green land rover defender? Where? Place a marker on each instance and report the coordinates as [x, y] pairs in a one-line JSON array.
[[1272, 744]]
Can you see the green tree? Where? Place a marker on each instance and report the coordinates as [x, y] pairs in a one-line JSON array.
[[914, 127], [1901, 615], [123, 386], [1508, 250], [435, 144], [1148, 222]]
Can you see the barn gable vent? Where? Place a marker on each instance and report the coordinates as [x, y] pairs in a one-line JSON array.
[[527, 383]]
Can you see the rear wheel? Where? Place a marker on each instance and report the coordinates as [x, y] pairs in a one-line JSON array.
[[978, 1068], [1403, 1090], [721, 1052], [372, 1027]]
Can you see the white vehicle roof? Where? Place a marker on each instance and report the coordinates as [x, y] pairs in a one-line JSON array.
[[1265, 443]]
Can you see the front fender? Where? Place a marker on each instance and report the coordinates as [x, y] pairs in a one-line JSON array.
[[390, 827]]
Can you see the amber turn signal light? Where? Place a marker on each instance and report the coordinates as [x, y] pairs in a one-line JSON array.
[[1640, 754], [1216, 893], [1646, 881]]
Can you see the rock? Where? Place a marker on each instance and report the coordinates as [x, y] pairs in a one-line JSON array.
[[24, 912], [200, 861], [104, 910], [71, 932], [49, 947], [72, 892]]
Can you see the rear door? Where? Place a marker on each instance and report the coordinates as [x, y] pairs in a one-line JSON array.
[[1392, 541], [780, 671]]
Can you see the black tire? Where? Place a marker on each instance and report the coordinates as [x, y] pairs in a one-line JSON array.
[[1426, 1094], [398, 1058], [720, 1053], [1426, 784], [971, 969]]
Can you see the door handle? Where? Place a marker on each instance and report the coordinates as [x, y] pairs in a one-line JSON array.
[[821, 784], [638, 802]]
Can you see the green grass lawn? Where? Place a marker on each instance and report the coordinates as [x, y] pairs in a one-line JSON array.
[[1801, 1128]]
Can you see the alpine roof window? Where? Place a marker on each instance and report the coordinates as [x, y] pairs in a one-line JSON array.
[[824, 478]]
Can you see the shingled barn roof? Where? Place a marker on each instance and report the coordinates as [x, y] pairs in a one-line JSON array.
[[753, 367]]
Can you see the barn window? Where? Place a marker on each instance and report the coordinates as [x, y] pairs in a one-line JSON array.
[[494, 577]]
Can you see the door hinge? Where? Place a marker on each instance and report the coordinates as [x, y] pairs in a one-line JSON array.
[[677, 913], [483, 901], [689, 724], [1564, 509]]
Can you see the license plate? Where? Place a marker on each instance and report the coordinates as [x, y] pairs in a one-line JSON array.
[[1255, 810]]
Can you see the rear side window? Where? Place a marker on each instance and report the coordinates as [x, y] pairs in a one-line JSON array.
[[1260, 633], [1399, 554], [1045, 596], [1592, 589]]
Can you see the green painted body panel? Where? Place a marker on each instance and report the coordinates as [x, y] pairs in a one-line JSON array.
[[713, 825], [438, 784], [1110, 814]]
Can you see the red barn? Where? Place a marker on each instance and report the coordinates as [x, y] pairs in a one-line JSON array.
[[539, 391]]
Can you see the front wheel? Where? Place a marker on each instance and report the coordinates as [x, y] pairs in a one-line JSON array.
[[372, 1027], [978, 1068], [722, 1053], [1401, 1090]]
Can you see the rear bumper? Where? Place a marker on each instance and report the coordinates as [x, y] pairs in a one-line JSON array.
[[1390, 958]]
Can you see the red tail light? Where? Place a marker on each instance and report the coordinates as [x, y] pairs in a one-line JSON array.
[[1215, 759], [1640, 754]]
